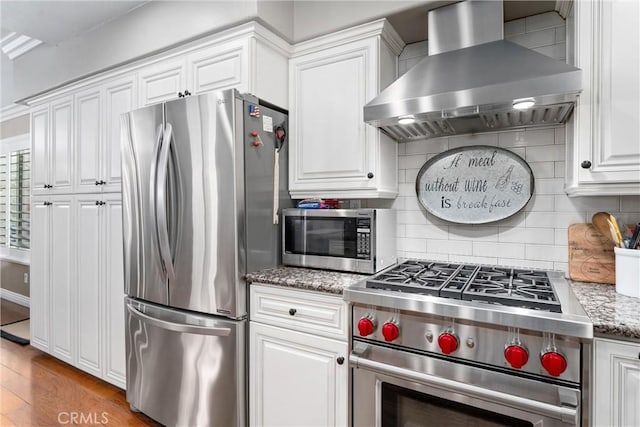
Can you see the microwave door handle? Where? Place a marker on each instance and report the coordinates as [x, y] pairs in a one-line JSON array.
[[161, 203], [178, 327], [563, 413]]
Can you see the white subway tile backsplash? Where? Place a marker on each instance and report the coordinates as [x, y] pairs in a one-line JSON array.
[[499, 250], [452, 247], [412, 162], [545, 153], [409, 244], [630, 204], [427, 231], [561, 266], [530, 235], [540, 203], [479, 139], [484, 233], [543, 20], [536, 237], [542, 169], [549, 186], [554, 219], [547, 253]]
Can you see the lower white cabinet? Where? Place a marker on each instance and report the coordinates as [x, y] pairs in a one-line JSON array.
[[77, 284], [616, 383], [296, 378]]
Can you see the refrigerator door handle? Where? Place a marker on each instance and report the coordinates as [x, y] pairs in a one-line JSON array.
[[178, 327], [161, 203]]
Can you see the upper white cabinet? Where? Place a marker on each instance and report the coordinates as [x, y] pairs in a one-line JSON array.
[[603, 145], [333, 153], [248, 58], [52, 147], [616, 383]]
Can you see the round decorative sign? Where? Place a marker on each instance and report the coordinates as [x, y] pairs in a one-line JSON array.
[[474, 185]]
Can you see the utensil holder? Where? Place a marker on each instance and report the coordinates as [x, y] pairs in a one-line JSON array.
[[628, 272]]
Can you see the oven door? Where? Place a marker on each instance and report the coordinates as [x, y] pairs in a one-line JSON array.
[[396, 388]]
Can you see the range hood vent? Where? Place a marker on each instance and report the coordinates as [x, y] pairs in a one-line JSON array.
[[474, 87]]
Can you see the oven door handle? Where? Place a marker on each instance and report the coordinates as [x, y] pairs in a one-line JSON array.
[[566, 414]]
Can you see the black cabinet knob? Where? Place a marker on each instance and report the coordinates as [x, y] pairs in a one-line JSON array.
[[292, 311], [97, 182], [586, 164], [47, 203], [340, 360], [370, 175], [180, 95], [187, 93]]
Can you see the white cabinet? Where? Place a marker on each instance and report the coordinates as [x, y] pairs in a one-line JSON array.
[[616, 383], [97, 134], [603, 144], [52, 293], [333, 153], [162, 81], [77, 282], [52, 145], [298, 369], [248, 58]]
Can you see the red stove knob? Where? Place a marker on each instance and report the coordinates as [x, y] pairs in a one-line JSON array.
[[448, 342], [390, 331], [365, 326], [554, 363], [516, 355]]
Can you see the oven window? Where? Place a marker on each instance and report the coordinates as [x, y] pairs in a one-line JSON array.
[[409, 408], [330, 236]]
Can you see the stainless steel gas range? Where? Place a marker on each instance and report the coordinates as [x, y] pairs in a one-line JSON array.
[[460, 344]]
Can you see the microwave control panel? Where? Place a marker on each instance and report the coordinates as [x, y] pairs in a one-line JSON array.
[[363, 238]]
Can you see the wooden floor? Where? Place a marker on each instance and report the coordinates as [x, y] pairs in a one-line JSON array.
[[39, 390]]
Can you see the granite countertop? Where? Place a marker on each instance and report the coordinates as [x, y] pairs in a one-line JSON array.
[[306, 278], [611, 313]]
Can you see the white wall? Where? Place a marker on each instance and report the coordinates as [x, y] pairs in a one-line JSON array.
[[536, 237]]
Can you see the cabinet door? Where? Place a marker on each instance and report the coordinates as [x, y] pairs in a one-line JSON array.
[[40, 150], [114, 369], [606, 127], [119, 98], [88, 106], [89, 273], [329, 90], [296, 379], [39, 271], [162, 81], [61, 146], [218, 67], [616, 385], [60, 253]]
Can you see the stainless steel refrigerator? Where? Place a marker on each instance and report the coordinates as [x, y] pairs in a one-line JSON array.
[[203, 180]]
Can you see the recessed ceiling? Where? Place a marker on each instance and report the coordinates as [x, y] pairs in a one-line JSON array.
[[411, 24], [57, 21]]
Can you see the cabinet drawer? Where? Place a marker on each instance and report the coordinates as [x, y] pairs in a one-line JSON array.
[[304, 311]]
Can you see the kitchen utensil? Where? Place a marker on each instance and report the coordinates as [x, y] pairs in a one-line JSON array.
[[635, 239], [591, 256], [602, 222]]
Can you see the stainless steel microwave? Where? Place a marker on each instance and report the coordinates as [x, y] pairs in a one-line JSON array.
[[356, 240]]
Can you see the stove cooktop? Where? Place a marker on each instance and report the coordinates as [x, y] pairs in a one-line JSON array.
[[531, 289]]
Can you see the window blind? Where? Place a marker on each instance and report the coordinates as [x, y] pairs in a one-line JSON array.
[[19, 203]]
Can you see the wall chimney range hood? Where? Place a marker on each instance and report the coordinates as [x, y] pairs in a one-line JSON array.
[[474, 81]]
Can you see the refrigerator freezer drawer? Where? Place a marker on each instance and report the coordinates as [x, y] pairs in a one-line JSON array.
[[194, 374]]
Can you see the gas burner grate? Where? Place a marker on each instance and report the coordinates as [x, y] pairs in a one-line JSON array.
[[530, 289]]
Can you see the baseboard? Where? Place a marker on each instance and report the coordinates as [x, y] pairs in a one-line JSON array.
[[14, 297]]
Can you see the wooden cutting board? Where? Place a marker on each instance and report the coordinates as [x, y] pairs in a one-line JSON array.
[[591, 256]]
